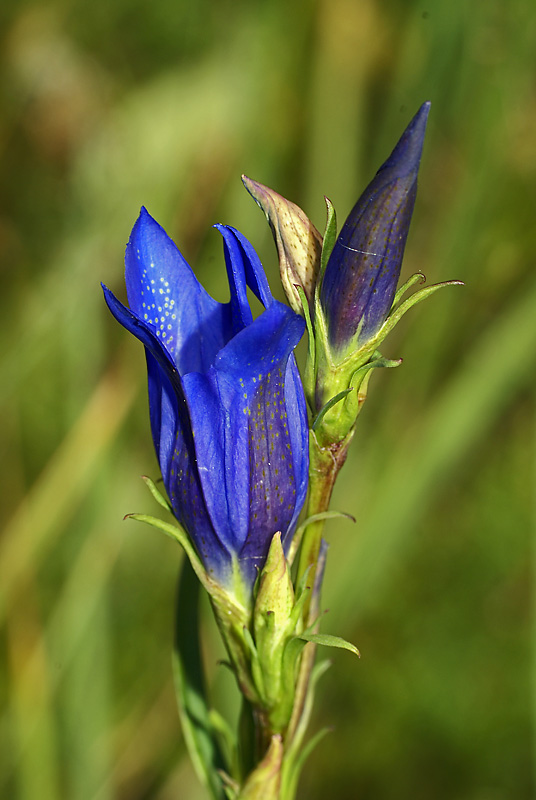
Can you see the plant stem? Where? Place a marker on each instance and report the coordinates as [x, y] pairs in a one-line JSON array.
[[325, 463]]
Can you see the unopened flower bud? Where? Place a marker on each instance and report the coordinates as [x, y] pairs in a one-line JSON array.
[[272, 622], [361, 276], [299, 244]]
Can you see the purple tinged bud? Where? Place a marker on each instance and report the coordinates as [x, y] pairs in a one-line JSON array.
[[361, 276]]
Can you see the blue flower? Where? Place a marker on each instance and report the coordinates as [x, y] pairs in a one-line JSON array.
[[359, 283], [226, 403]]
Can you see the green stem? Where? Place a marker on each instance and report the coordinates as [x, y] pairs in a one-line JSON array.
[[325, 463]]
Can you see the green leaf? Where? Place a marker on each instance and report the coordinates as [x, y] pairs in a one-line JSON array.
[[328, 640], [190, 689], [330, 236]]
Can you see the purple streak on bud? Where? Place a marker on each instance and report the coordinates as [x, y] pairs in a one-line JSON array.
[[362, 273]]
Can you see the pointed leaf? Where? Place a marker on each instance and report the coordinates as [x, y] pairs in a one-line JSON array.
[[397, 315], [330, 235], [308, 322], [160, 499], [328, 640]]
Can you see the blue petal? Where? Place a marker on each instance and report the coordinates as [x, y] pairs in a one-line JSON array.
[[299, 440], [164, 292], [362, 273], [163, 411], [163, 379], [142, 331], [243, 262], [186, 493], [171, 428], [236, 261], [242, 441]]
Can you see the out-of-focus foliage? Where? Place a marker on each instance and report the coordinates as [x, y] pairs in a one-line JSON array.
[[106, 106]]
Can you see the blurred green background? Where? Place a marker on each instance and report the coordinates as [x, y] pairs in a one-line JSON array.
[[107, 106]]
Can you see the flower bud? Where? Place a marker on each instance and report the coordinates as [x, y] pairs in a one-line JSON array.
[[357, 302], [298, 242], [361, 276], [272, 621]]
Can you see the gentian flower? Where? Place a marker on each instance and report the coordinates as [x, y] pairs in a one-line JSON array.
[[361, 275], [226, 402]]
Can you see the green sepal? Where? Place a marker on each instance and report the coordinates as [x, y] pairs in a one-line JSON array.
[[226, 606], [353, 358], [158, 496], [417, 277], [396, 315], [308, 322], [327, 515], [359, 382], [379, 362], [178, 533], [333, 374], [291, 654], [327, 640], [296, 613], [190, 690], [255, 664], [336, 425], [330, 237], [323, 411]]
